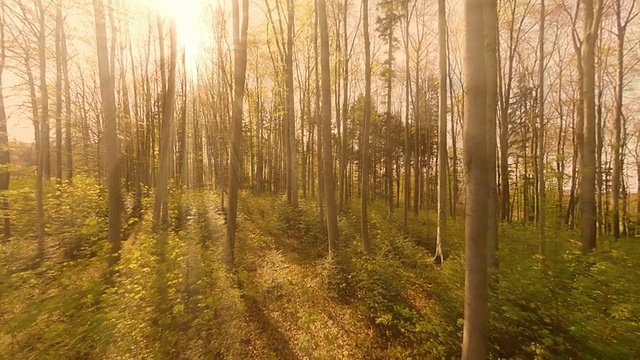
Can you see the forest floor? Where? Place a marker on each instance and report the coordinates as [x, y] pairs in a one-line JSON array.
[[171, 298]]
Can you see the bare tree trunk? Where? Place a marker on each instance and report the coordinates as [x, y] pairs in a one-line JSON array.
[[388, 164], [416, 151], [407, 149], [239, 75], [587, 164], [454, 143], [345, 112], [542, 197], [44, 122], [291, 117], [366, 242], [43, 153], [442, 134], [319, 121], [58, 43], [198, 156], [618, 144], [67, 111], [491, 35], [160, 205], [571, 206], [107, 90], [560, 148], [474, 343], [5, 158], [332, 216]]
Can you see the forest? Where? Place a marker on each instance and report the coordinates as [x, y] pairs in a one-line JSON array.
[[319, 179]]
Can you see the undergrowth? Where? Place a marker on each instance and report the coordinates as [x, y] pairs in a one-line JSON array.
[[170, 296]]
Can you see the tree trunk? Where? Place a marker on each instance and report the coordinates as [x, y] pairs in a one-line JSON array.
[[442, 134], [239, 74], [491, 34], [345, 112], [332, 216], [474, 343], [588, 150], [407, 149], [107, 90], [67, 111], [160, 205], [5, 158], [43, 153], [617, 126], [365, 129], [542, 197], [291, 117], [58, 43], [44, 122]]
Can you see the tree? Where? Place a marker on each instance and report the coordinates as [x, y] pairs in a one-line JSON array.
[[67, 101], [167, 136], [541, 130], [239, 74], [621, 26], [292, 171], [386, 26], [107, 91], [474, 343], [491, 37], [365, 128], [5, 159], [592, 16], [44, 93], [442, 133], [327, 157], [407, 91], [58, 43]]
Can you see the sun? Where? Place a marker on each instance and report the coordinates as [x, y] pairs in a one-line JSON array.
[[186, 13]]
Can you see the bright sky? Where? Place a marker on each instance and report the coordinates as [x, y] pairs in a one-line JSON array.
[[190, 37], [190, 32]]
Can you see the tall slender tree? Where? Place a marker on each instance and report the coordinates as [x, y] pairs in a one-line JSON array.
[[160, 205], [474, 343], [442, 132], [542, 198], [239, 74], [622, 22], [107, 91], [67, 104], [5, 159], [364, 178], [592, 16], [491, 37], [58, 119], [327, 156]]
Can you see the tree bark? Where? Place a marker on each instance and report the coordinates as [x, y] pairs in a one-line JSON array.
[[366, 243], [442, 134], [239, 74], [160, 205], [491, 35], [388, 164], [67, 111], [592, 17], [58, 43], [474, 343], [291, 117], [327, 157], [107, 90], [617, 126], [5, 158], [542, 197]]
